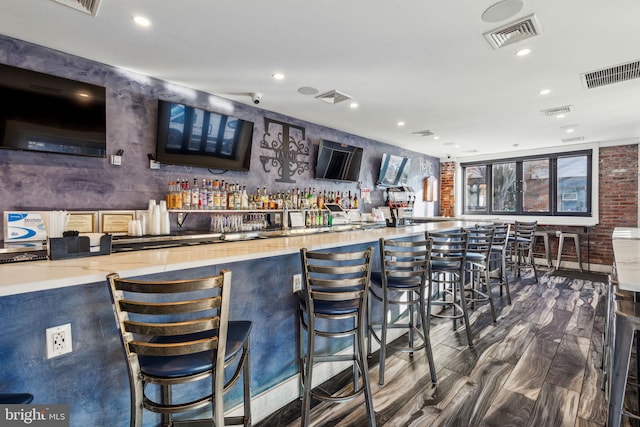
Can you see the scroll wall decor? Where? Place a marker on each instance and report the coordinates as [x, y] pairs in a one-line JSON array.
[[290, 151]]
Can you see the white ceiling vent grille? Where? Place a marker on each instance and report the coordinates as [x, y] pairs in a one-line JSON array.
[[89, 7], [423, 133], [557, 110], [607, 76], [333, 97], [514, 32]]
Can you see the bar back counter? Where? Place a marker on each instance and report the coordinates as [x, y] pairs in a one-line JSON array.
[[93, 380]]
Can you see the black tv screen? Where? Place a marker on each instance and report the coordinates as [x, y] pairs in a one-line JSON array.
[[192, 136], [338, 162], [42, 112], [394, 171]]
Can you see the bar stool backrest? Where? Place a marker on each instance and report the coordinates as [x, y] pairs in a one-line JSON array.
[[336, 276], [450, 246], [405, 261]]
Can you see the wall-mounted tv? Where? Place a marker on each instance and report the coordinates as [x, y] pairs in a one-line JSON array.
[[394, 171], [192, 136], [338, 162], [42, 112]]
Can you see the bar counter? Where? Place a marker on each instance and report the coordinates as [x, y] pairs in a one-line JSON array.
[[42, 275], [93, 380]]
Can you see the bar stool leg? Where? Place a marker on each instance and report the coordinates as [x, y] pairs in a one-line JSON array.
[[560, 246], [619, 370], [576, 239]]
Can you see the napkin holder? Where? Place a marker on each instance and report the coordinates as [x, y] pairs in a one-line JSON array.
[[76, 247]]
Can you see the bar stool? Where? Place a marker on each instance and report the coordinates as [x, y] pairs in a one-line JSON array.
[[626, 324], [521, 245], [175, 333], [498, 258], [477, 266], [402, 282], [447, 279], [545, 240], [335, 289], [576, 241]]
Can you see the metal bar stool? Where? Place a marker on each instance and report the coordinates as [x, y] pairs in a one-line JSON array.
[[447, 278], [521, 247], [498, 258], [545, 241], [576, 241], [332, 305], [626, 324], [175, 333], [402, 282], [477, 266]]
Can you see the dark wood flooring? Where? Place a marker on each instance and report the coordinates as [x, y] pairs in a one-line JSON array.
[[539, 365]]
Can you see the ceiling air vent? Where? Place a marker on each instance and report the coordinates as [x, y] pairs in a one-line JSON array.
[[333, 97], [423, 133], [87, 6], [607, 76], [514, 32], [557, 110]]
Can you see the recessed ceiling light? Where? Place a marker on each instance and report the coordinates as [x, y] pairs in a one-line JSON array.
[[141, 20], [560, 116], [278, 76], [570, 130], [354, 105], [401, 123], [436, 137], [545, 92], [523, 52]]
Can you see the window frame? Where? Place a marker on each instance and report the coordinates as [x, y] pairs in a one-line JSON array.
[[552, 187]]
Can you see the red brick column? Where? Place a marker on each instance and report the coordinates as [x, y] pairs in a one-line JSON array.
[[447, 183]]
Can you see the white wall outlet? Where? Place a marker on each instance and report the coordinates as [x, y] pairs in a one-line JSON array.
[[116, 160], [58, 340], [296, 280]]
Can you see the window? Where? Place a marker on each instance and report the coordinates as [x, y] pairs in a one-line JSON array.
[[552, 184]]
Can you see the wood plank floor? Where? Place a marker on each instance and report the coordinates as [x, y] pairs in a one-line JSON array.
[[539, 365]]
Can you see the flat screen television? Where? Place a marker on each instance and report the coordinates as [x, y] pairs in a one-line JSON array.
[[338, 162], [192, 136], [394, 171], [42, 112]]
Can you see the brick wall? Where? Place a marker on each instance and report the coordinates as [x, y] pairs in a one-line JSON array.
[[447, 182]]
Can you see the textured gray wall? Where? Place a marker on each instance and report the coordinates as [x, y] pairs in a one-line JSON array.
[[34, 181]]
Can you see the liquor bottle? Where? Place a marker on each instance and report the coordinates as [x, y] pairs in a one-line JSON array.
[[238, 198], [177, 195], [210, 194], [355, 201], [186, 195], [258, 199], [204, 193], [195, 195], [265, 198], [223, 195], [244, 204], [338, 198], [216, 194], [294, 199], [350, 201]]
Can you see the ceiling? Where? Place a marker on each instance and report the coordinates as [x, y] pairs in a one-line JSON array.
[[425, 63]]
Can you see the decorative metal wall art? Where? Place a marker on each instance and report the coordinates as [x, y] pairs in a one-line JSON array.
[[290, 149]]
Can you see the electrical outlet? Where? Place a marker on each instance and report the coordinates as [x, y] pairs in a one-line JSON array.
[[297, 282], [58, 340]]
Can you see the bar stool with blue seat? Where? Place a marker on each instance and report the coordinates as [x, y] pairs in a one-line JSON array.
[[402, 282], [447, 278], [332, 306], [15, 398], [178, 332]]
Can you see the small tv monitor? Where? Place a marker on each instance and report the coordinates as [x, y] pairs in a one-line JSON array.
[[191, 136], [394, 171], [46, 113], [338, 162]]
